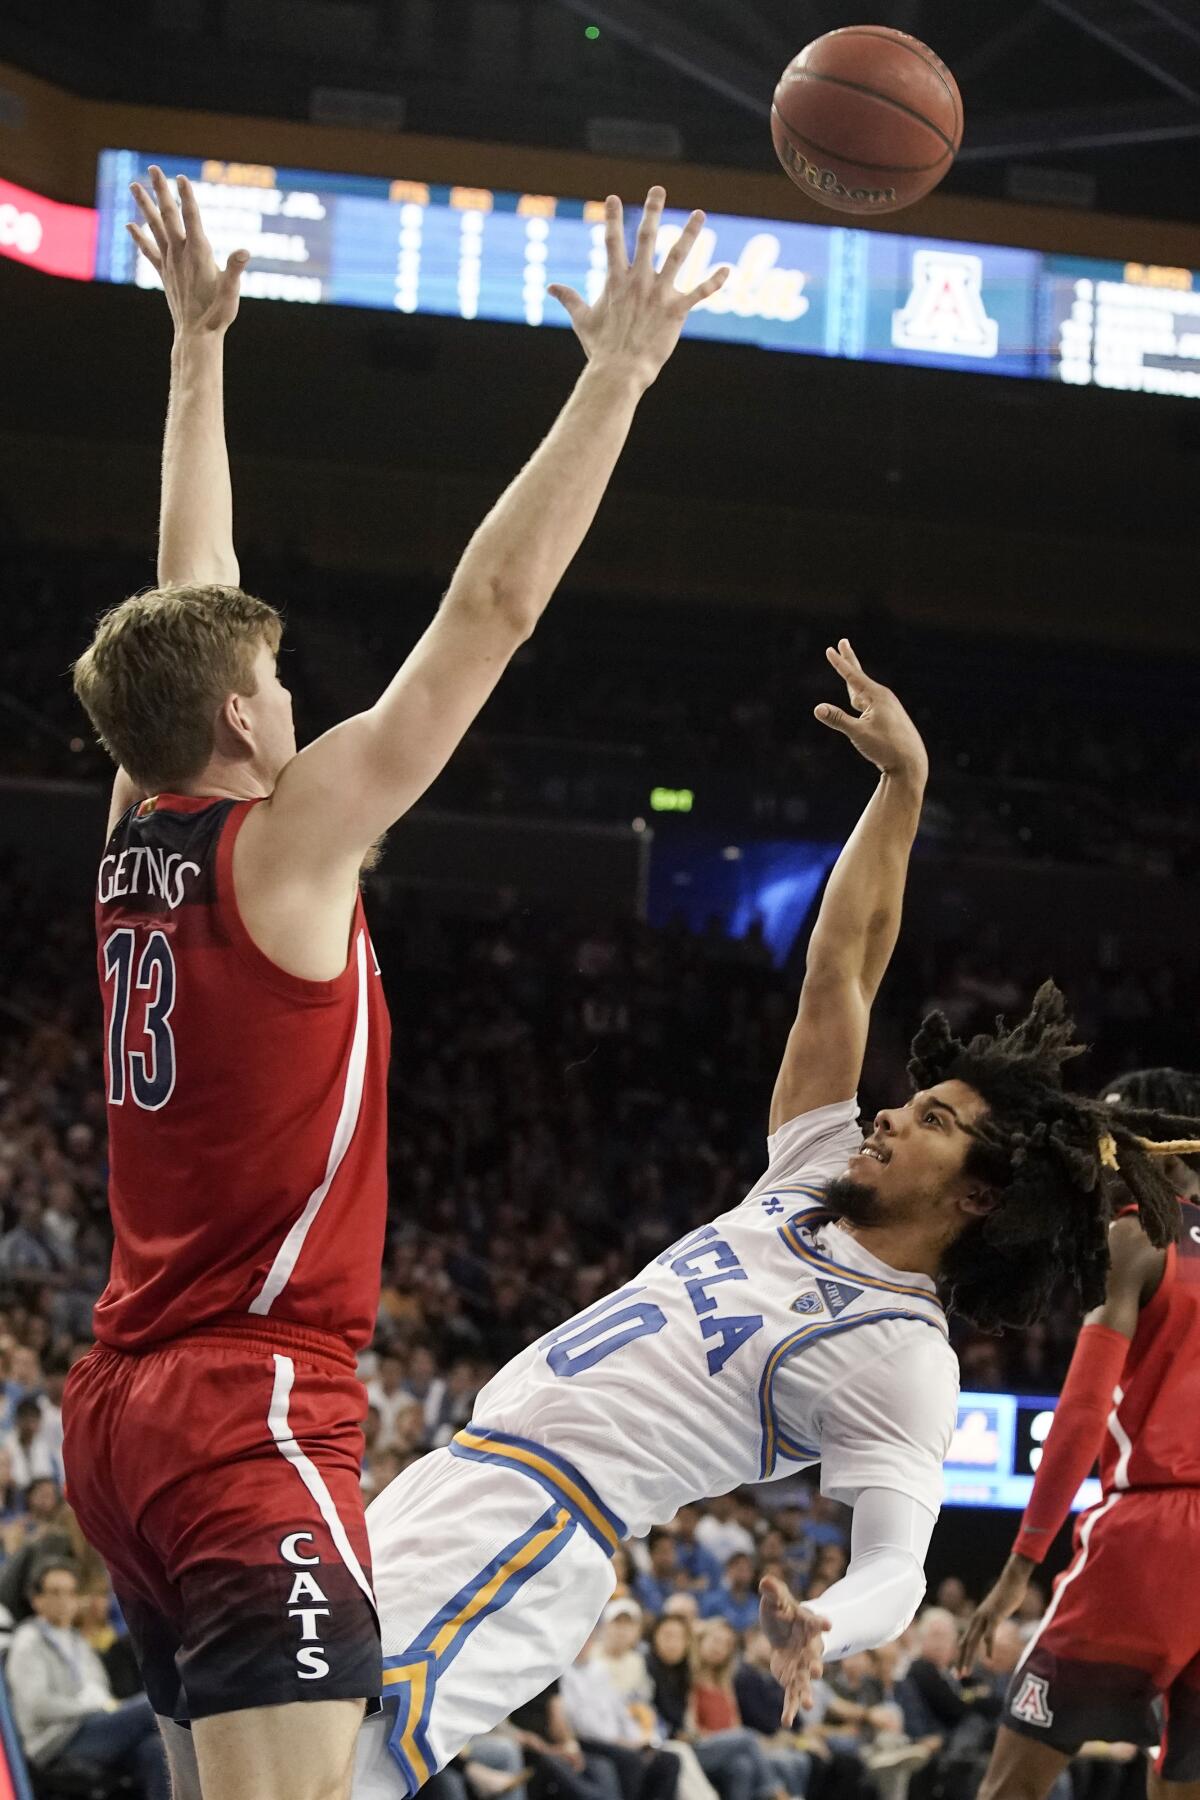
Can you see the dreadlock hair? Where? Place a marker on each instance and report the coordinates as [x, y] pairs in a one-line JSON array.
[[1045, 1154], [1170, 1090]]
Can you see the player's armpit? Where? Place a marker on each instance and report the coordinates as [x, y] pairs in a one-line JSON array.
[[343, 792]]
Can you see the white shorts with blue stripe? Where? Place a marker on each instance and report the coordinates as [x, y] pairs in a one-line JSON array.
[[492, 1562]]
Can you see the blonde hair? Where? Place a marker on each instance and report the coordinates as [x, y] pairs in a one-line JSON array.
[[160, 667]]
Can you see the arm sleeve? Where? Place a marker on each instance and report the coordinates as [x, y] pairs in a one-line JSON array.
[[1075, 1437], [881, 1590], [814, 1147]]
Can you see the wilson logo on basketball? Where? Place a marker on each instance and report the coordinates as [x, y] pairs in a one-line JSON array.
[[826, 183], [1031, 1704]]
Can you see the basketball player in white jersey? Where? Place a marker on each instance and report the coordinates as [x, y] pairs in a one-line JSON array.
[[803, 1326]]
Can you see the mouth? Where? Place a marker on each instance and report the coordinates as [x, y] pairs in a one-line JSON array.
[[873, 1152]]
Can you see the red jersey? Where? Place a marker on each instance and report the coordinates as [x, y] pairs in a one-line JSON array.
[[1152, 1440], [247, 1108]]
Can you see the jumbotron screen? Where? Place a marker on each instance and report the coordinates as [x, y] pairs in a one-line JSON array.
[[825, 290], [996, 1448]]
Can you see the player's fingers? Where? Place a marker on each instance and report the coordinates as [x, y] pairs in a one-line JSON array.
[[614, 235], [847, 650], [190, 208], [234, 268], [647, 235], [146, 245], [715, 282], [575, 303], [682, 248], [151, 214], [169, 211], [848, 667], [836, 719]]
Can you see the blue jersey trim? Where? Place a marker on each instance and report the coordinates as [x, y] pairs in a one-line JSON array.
[[410, 1678], [559, 1478], [774, 1443], [817, 1259]]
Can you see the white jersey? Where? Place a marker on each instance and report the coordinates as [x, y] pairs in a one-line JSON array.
[[762, 1343]]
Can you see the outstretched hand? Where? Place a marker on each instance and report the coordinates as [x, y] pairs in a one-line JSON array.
[[795, 1635], [639, 315], [996, 1606], [879, 728], [202, 297]]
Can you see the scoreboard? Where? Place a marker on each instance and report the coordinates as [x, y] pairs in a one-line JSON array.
[[474, 253], [996, 1449]]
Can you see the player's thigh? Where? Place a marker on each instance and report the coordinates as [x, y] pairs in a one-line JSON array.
[[1021, 1768], [181, 1760], [302, 1751]]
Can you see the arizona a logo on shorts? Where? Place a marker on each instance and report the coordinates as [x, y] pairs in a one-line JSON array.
[[1030, 1703]]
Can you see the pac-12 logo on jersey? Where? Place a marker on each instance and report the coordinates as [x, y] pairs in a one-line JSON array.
[[1031, 1702], [809, 1303]]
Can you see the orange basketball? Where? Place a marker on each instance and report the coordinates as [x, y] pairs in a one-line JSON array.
[[867, 119]]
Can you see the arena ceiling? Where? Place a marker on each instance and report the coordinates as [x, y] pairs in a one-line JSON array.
[[1092, 102]]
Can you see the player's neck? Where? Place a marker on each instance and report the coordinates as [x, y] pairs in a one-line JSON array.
[[905, 1248], [228, 781]]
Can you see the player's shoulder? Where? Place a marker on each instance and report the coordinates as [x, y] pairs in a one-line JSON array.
[[807, 1152]]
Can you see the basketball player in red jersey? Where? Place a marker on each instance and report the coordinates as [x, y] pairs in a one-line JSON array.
[[1123, 1628], [212, 1445]]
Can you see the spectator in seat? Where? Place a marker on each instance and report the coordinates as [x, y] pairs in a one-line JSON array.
[[609, 1729], [62, 1700], [732, 1756], [736, 1598], [29, 1446], [655, 1585], [696, 1562], [721, 1532], [942, 1711]]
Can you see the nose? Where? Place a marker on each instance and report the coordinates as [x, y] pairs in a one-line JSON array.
[[885, 1122]]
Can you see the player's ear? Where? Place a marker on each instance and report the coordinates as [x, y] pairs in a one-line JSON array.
[[979, 1201], [235, 731]]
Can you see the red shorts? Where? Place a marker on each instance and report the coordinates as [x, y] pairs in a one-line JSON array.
[[218, 1475], [1117, 1655]]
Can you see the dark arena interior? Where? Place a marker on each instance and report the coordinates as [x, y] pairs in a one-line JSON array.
[[965, 437]]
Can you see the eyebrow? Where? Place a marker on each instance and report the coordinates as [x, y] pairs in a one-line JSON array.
[[931, 1100]]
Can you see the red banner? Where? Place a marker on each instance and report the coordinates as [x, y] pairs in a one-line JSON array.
[[58, 239]]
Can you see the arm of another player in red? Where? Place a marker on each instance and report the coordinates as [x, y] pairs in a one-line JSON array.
[[1087, 1397], [859, 922], [1079, 1424]]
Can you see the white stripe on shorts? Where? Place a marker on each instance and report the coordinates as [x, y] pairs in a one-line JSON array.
[[310, 1475]]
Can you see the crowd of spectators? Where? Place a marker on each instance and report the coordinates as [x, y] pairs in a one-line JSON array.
[[593, 714]]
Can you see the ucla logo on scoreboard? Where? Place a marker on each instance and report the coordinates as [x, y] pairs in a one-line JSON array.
[[945, 314], [809, 1303]]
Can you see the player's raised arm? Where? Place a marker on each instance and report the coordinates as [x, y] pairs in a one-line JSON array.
[[196, 519], [343, 791], [856, 930], [195, 542]]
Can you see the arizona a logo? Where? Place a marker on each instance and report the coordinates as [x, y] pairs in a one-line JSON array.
[[945, 312], [1030, 1704]]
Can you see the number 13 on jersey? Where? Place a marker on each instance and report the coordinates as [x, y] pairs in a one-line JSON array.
[[140, 1004]]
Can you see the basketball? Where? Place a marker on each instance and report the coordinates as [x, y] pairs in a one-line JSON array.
[[867, 120]]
